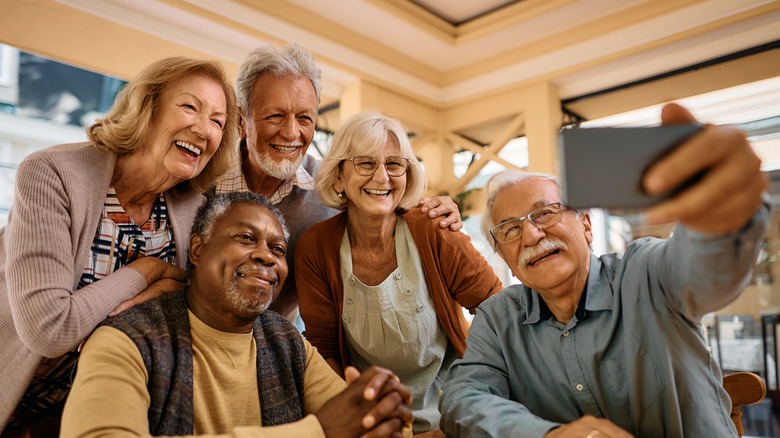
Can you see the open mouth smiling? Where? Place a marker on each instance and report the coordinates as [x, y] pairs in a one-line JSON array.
[[377, 193], [285, 149], [543, 257], [192, 150]]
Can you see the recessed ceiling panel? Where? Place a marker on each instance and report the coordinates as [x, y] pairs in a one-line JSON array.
[[460, 11]]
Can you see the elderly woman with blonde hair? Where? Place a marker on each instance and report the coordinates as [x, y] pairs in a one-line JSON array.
[[99, 226], [380, 283]]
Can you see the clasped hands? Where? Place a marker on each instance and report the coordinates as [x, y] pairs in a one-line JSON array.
[[375, 404]]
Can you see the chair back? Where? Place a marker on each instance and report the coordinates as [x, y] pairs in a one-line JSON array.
[[744, 389]]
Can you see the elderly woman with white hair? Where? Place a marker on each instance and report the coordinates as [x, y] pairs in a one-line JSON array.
[[380, 283]]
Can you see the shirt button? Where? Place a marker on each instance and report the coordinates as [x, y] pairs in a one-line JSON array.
[[351, 280], [579, 387], [408, 292], [397, 275], [346, 319], [350, 300], [566, 333], [419, 308]]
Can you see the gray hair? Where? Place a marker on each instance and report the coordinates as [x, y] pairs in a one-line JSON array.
[[292, 61], [497, 184], [215, 207]]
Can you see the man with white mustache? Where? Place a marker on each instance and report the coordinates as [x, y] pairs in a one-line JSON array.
[[278, 94], [209, 359], [611, 346]]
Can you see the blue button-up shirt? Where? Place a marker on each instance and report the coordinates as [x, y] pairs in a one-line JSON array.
[[634, 352]]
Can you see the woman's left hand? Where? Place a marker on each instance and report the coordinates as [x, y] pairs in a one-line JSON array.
[[156, 289], [442, 206]]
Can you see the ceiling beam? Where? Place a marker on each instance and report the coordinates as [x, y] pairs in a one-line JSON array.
[[744, 70]]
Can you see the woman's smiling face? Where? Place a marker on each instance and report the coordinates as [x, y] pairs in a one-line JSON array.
[[377, 195], [186, 127]]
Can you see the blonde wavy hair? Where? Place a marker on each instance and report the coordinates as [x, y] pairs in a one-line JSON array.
[[125, 126]]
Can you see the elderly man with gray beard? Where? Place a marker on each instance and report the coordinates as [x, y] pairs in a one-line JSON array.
[[278, 94], [611, 346]]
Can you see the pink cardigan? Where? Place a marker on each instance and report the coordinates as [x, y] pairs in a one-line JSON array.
[[58, 200], [456, 273]]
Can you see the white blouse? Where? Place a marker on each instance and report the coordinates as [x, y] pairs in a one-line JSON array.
[[394, 325]]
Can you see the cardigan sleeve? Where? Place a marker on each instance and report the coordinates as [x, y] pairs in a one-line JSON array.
[[470, 278], [316, 297], [466, 275], [50, 317]]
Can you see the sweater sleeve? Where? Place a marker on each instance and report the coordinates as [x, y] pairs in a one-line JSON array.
[[42, 240], [318, 309], [321, 383], [110, 397]]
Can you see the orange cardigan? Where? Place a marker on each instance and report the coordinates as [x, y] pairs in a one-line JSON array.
[[457, 276]]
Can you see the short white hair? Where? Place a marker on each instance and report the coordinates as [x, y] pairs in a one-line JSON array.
[[497, 184], [291, 61]]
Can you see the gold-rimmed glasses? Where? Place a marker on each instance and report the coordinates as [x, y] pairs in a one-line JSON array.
[[543, 217], [366, 166]]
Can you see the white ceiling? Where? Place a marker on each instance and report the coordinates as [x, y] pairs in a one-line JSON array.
[[580, 45]]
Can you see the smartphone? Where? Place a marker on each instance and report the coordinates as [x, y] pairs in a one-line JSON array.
[[603, 167]]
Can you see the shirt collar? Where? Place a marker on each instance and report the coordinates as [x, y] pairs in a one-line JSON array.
[[234, 181], [301, 178], [593, 298]]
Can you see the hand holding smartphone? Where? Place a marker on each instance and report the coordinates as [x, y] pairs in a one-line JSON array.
[[603, 167]]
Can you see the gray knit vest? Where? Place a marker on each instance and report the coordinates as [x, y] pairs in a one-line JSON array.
[[160, 329]]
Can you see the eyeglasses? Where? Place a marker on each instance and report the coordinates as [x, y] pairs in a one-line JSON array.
[[512, 229], [366, 166]]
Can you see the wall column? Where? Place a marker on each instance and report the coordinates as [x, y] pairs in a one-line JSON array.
[[357, 96], [542, 122]]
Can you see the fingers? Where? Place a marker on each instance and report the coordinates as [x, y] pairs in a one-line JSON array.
[[589, 427], [676, 114], [709, 148], [443, 206], [729, 191], [122, 307], [176, 273], [389, 406], [351, 374], [377, 377], [392, 427], [156, 289], [395, 385], [707, 213], [423, 201], [371, 401], [154, 269]]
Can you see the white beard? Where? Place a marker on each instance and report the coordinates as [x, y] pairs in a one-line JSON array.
[[278, 169]]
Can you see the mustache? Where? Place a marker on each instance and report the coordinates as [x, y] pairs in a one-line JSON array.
[[264, 270], [545, 245]]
